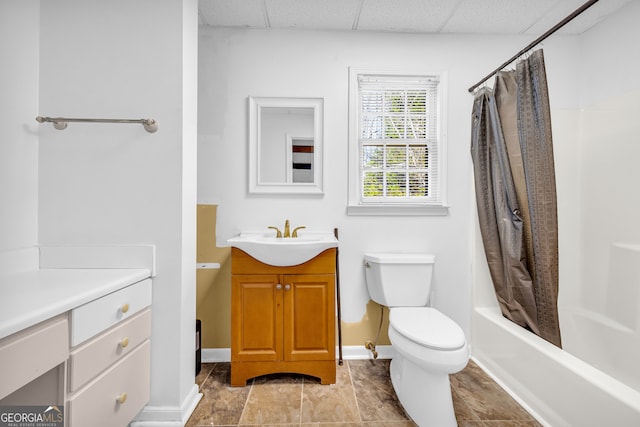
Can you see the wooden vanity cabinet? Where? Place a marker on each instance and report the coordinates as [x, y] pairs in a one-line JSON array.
[[282, 318]]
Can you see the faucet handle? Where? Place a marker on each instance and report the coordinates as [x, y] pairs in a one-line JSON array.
[[295, 231], [278, 232]]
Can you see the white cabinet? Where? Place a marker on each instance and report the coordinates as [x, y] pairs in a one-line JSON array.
[[89, 359], [109, 363], [29, 354], [96, 316], [75, 327], [114, 397]]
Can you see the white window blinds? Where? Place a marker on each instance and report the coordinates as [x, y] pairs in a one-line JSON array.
[[398, 139]]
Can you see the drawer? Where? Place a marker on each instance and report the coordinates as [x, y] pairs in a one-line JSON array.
[[97, 354], [97, 404], [30, 353], [98, 315]]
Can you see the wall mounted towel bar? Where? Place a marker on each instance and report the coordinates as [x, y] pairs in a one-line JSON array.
[[150, 125]]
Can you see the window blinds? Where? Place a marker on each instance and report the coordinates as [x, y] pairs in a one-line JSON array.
[[398, 139]]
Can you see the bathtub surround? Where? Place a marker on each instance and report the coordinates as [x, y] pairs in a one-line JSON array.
[[556, 386], [595, 129]]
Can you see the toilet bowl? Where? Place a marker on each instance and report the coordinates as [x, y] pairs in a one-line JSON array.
[[428, 346]]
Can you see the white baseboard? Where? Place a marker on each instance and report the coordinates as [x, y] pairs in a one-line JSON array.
[[168, 416], [212, 355], [350, 352], [359, 352]]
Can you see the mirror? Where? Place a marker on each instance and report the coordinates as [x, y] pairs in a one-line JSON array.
[[285, 145]]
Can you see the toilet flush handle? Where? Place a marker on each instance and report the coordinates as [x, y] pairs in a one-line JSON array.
[[367, 265]]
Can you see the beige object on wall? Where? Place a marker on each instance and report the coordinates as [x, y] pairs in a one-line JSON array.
[[213, 294]]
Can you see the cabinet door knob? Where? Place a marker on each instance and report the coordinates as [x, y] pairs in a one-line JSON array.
[[122, 398], [124, 308], [287, 287], [124, 342], [278, 286]]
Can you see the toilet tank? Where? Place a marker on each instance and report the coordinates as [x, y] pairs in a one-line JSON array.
[[399, 280]]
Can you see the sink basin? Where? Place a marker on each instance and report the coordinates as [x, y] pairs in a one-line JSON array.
[[283, 252]]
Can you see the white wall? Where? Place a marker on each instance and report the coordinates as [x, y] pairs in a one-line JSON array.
[[117, 184], [608, 195], [237, 63], [19, 34]]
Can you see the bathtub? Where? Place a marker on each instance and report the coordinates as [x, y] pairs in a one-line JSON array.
[[558, 388], [591, 336]]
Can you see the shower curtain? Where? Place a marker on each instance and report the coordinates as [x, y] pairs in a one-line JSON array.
[[512, 152]]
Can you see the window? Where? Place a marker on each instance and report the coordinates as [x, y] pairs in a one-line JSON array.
[[396, 148]]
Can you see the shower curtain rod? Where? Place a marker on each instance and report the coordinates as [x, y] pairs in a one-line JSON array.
[[537, 41], [60, 123]]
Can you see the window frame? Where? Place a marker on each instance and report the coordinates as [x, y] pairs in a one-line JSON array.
[[356, 204]]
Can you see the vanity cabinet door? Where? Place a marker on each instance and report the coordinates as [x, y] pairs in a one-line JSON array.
[[309, 317], [256, 318], [282, 318]]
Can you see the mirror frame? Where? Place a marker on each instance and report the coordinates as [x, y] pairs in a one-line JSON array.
[[256, 104]]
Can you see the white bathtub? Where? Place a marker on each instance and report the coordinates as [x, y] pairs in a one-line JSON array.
[[602, 342], [556, 387]]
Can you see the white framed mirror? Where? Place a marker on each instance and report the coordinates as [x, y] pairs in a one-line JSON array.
[[285, 145]]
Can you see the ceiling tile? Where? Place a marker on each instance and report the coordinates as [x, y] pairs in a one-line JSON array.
[[420, 16], [497, 16], [312, 14], [233, 13], [406, 15], [586, 20]]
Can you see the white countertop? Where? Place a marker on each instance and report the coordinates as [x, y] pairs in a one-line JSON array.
[[30, 297]]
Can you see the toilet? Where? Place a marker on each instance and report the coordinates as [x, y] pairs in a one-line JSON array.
[[428, 346]]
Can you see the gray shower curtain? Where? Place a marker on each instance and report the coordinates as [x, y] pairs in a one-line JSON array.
[[512, 152]]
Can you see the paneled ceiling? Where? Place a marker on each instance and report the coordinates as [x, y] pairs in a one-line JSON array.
[[413, 16]]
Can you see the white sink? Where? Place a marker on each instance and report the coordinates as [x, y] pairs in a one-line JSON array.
[[283, 251]]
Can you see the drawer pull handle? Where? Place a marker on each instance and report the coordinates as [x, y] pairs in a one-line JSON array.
[[124, 308], [122, 398], [124, 342]]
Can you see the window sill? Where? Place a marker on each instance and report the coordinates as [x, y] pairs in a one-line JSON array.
[[397, 210]]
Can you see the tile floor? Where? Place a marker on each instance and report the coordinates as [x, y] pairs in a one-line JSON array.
[[362, 396]]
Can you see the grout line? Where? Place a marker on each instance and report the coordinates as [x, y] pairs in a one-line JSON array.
[[301, 401], [353, 389], [246, 401]]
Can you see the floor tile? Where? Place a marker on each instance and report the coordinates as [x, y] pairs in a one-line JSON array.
[[473, 389], [221, 404], [274, 399], [335, 403], [376, 398], [363, 396]]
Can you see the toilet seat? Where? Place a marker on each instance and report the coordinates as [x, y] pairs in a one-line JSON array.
[[428, 327]]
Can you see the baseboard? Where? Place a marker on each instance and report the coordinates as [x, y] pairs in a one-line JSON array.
[[213, 355], [168, 416], [359, 352], [350, 352]]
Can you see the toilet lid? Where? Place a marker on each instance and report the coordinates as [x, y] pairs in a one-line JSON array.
[[428, 327]]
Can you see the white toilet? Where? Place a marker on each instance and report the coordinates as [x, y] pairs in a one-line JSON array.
[[428, 345]]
